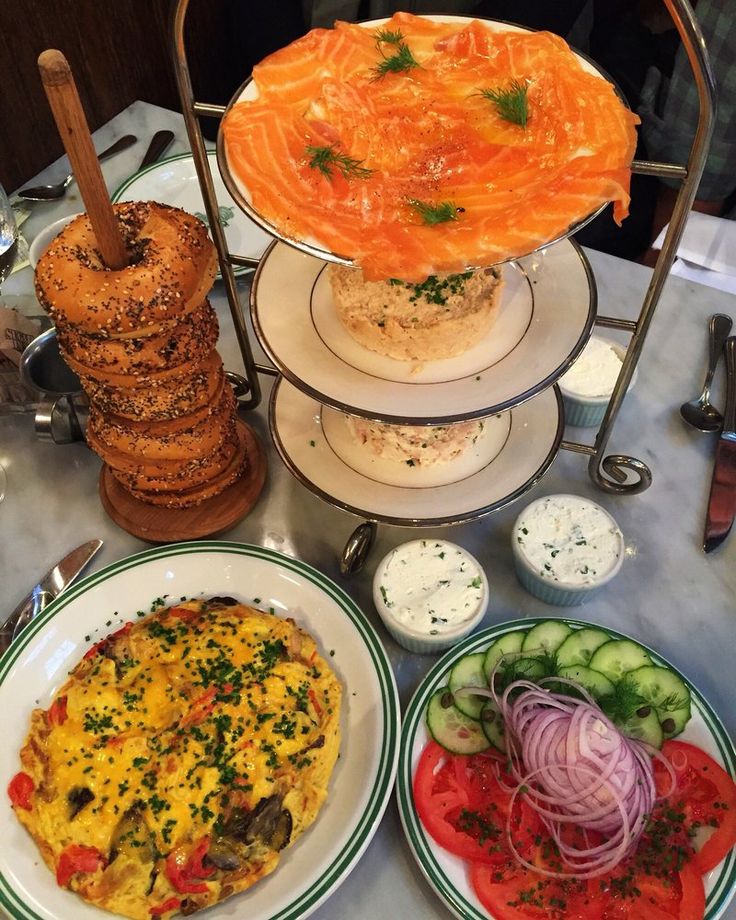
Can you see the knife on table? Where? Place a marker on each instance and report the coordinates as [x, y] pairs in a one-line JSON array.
[[48, 588], [159, 142], [722, 501]]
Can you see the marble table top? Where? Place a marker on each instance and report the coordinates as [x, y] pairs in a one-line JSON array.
[[669, 595]]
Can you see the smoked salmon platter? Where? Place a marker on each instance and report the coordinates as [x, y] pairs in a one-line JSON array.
[[420, 145]]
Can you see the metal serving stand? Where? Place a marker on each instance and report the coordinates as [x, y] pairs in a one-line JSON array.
[[615, 473]]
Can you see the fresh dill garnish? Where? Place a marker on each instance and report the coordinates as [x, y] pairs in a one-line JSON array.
[[401, 60], [438, 213], [623, 703], [325, 159], [511, 103], [387, 37]]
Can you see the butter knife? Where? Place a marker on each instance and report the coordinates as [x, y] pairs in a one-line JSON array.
[[159, 143], [722, 501], [48, 588]]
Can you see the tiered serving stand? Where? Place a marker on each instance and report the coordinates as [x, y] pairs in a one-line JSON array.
[[322, 374]]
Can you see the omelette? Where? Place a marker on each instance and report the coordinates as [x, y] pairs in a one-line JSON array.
[[182, 755]]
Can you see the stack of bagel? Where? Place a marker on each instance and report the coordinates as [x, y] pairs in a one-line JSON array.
[[142, 341]]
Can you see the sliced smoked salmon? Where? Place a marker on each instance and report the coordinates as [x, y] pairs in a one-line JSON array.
[[423, 146]]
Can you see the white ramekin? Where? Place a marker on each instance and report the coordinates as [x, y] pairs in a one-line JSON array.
[[588, 411], [421, 642], [559, 593]]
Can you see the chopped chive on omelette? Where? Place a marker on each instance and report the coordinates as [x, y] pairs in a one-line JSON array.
[[327, 159], [401, 60], [434, 213], [511, 103]]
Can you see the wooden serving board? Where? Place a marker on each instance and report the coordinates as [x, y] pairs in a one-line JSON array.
[[158, 524]]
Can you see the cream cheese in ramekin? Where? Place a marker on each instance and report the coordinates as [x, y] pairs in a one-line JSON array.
[[430, 587], [594, 374], [568, 540]]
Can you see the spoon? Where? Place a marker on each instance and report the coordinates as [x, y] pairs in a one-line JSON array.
[[700, 412], [53, 192]]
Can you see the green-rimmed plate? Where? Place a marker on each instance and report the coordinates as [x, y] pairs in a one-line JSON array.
[[33, 670], [174, 181], [446, 873]]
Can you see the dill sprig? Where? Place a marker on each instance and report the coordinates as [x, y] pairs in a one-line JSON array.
[[511, 103], [401, 60], [438, 213], [387, 37], [326, 159]]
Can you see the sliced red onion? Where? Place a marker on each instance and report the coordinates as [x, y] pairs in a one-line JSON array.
[[573, 766]]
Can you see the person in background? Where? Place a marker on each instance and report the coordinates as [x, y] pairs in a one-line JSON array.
[[669, 111]]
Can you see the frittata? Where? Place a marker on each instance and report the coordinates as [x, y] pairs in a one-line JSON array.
[[184, 752]]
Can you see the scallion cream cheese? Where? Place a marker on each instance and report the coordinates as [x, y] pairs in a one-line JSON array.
[[430, 586], [569, 540]]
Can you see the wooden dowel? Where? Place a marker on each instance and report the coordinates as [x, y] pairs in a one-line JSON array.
[[71, 122]]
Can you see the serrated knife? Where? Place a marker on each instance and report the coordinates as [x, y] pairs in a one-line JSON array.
[[49, 587], [722, 501]]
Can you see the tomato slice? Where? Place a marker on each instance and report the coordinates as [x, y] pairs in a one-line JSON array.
[[520, 894], [458, 802], [706, 796]]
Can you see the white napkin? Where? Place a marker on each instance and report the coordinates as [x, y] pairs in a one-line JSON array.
[[707, 251]]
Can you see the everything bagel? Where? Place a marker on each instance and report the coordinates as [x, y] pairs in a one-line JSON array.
[[191, 340], [167, 399], [181, 439], [180, 474], [172, 267]]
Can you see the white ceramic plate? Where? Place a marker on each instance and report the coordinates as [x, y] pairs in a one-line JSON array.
[[547, 311], [445, 872], [174, 181], [240, 192], [33, 670], [519, 452]]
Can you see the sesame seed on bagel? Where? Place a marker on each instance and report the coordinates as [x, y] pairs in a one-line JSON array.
[[192, 339], [172, 267]]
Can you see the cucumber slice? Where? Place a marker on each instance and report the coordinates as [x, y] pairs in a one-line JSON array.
[[597, 684], [578, 648], [492, 724], [546, 637], [644, 728], [667, 693], [510, 645], [617, 657], [468, 672], [452, 728], [529, 669]]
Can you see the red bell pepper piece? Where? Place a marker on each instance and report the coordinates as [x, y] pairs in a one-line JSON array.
[[76, 858], [57, 713], [20, 789], [184, 871], [169, 904]]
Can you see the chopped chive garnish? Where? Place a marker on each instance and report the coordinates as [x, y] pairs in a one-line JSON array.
[[325, 159], [438, 213], [511, 103]]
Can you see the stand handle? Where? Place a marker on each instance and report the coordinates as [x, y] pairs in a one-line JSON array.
[[61, 91]]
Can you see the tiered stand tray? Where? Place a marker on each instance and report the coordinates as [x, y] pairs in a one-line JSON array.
[[301, 391]]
